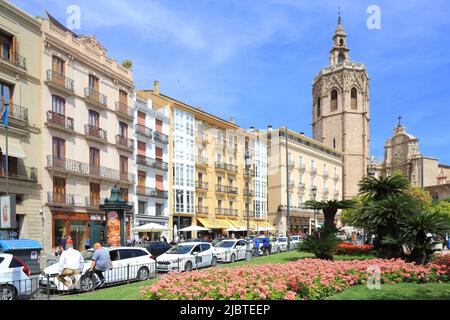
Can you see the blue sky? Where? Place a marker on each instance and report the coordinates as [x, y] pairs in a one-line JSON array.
[[255, 59]]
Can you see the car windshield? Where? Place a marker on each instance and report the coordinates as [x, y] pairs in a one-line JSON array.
[[225, 244], [87, 255], [282, 239], [180, 250]]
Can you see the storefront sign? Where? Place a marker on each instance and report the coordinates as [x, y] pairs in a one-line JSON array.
[[113, 226], [8, 212]]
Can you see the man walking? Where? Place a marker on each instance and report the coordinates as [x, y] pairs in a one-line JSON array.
[[70, 263], [101, 262], [256, 246]]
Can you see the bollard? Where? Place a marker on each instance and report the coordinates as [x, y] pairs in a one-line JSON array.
[[48, 287]]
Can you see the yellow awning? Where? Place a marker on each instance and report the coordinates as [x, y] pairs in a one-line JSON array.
[[215, 223], [14, 147]]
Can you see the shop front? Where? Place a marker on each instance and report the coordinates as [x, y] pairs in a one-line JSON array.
[[180, 222], [218, 227]]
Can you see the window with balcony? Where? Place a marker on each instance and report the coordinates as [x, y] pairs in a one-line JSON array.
[[159, 182], [123, 168], [123, 130], [159, 209], [123, 98], [7, 48], [141, 148], [59, 191], [94, 119], [94, 83], [6, 96], [158, 125], [59, 152], [58, 105], [142, 207]]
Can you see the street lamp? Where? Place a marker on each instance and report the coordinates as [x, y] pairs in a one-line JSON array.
[[314, 193], [179, 196], [247, 186], [288, 209]]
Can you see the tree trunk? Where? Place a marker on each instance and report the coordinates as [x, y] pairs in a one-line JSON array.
[[330, 215]]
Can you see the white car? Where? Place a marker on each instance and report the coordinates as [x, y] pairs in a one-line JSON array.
[[230, 250], [15, 281], [187, 256], [128, 263], [295, 242], [275, 248], [282, 243]]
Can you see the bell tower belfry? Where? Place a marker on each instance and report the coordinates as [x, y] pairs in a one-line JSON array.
[[341, 114]]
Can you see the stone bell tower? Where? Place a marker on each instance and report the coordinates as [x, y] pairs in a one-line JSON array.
[[341, 114]]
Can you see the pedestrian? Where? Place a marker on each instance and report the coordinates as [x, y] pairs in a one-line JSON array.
[[266, 245], [256, 246], [63, 242], [87, 244], [164, 238], [270, 242], [70, 264], [101, 262]]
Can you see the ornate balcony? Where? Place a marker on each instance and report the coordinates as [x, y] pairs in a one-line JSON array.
[[232, 190], [326, 191], [95, 133], [60, 81], [60, 122], [152, 192], [16, 61], [314, 171], [250, 172], [201, 210], [201, 186], [161, 137], [301, 187], [202, 137], [201, 161], [152, 163], [326, 174], [221, 188], [231, 168], [64, 165], [302, 167], [221, 166], [95, 98], [226, 212], [124, 110], [336, 176], [15, 112], [60, 199], [144, 131], [20, 173], [291, 164], [124, 143], [250, 192]]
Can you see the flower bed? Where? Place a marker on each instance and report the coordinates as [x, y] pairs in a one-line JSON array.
[[303, 279], [348, 248]]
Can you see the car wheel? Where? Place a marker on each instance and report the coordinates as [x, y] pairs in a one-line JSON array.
[[8, 293], [143, 274], [214, 262], [233, 258], [188, 266], [86, 283]]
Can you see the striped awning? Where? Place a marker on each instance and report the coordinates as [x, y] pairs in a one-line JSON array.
[[14, 147]]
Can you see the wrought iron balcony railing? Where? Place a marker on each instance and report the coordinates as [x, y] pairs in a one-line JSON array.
[[20, 172], [250, 192], [152, 163], [85, 169], [226, 212], [313, 170], [91, 94], [124, 109], [143, 130], [232, 190], [232, 168], [161, 137], [200, 185], [302, 167], [221, 188], [17, 61], [201, 210], [60, 120], [60, 80], [124, 142], [221, 165], [326, 174], [152, 192], [15, 111], [64, 199], [202, 161], [95, 132]]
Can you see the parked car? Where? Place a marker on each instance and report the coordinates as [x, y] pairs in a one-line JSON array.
[[157, 248], [187, 256], [15, 281], [295, 242], [128, 263], [230, 250], [282, 243]]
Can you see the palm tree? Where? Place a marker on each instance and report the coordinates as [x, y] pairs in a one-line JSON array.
[[330, 209], [380, 188], [415, 230]]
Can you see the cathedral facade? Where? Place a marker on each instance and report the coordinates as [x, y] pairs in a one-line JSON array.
[[341, 111]]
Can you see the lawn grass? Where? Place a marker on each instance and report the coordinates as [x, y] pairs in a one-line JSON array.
[[122, 292], [131, 291], [402, 291]]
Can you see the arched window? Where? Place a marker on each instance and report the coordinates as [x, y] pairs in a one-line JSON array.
[[319, 112], [354, 94], [334, 143], [334, 100], [341, 57]]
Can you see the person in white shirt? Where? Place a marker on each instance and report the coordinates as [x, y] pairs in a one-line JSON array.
[[71, 263]]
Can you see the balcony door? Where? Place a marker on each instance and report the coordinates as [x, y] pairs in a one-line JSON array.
[[142, 177], [94, 161], [59, 152], [141, 118], [159, 125], [94, 119], [95, 194], [8, 47], [94, 83], [59, 190], [123, 168], [123, 130], [159, 153], [141, 148], [123, 98], [159, 181], [58, 110], [58, 68], [6, 93]]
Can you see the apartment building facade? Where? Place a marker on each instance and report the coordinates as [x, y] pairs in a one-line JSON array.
[[310, 164], [207, 170], [151, 165], [87, 135], [20, 93]]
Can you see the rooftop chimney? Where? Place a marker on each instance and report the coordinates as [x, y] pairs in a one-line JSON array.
[[156, 87]]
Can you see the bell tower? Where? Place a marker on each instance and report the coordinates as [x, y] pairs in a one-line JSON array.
[[341, 115]]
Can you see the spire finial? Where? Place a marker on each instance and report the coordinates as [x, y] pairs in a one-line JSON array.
[[339, 13], [400, 120]]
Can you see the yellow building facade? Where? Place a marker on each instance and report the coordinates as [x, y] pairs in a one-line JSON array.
[[208, 175]]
